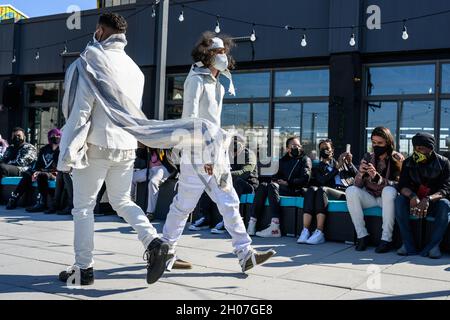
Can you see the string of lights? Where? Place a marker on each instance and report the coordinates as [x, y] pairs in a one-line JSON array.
[[254, 25]]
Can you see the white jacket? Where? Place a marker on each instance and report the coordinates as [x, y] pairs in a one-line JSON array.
[[203, 94], [102, 131]]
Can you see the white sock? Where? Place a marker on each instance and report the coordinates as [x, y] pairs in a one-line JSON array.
[[275, 221]]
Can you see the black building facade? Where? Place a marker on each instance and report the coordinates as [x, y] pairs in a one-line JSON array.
[[327, 88]]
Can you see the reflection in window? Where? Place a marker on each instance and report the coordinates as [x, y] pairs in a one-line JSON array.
[[381, 114], [175, 88], [394, 80], [444, 136], [446, 78], [174, 111], [245, 115], [249, 85], [309, 121], [44, 92], [302, 83], [415, 116]]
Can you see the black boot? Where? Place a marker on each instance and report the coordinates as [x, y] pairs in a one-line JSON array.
[[40, 205], [86, 277], [12, 201], [384, 247], [362, 244]]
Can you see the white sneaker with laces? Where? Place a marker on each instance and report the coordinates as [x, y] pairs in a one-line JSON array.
[[316, 238], [251, 229], [198, 225], [254, 258], [304, 236], [273, 231]]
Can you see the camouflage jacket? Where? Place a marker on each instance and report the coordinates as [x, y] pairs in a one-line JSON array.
[[23, 158]]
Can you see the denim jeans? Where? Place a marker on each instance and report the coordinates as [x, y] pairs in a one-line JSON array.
[[440, 210]]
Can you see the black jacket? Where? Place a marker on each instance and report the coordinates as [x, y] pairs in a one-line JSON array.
[[323, 177], [143, 156], [435, 174], [47, 159], [296, 171]]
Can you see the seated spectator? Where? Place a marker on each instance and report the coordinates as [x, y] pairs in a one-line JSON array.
[[3, 146], [331, 178], [425, 189], [292, 178], [63, 183], [244, 172], [18, 157], [159, 169], [375, 185], [43, 170]]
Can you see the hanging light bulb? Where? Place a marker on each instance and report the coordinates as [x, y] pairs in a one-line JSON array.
[[352, 41], [303, 43], [405, 34], [181, 16], [217, 29], [36, 57], [153, 11], [253, 35]]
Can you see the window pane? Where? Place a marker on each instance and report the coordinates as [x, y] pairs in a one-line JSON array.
[[396, 80], [46, 92], [174, 111], [415, 116], [249, 85], [245, 115], [446, 78], [381, 114], [175, 87], [314, 125], [302, 83], [287, 121], [444, 137]]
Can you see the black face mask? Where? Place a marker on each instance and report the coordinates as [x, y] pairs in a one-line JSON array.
[[326, 154], [55, 140], [296, 152], [17, 141], [379, 150]]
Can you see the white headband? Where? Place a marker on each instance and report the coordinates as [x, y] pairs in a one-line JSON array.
[[217, 43]]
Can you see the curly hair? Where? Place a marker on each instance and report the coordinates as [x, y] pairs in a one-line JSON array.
[[114, 21], [202, 53]]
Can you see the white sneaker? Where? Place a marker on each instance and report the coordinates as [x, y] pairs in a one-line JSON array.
[[200, 224], [219, 228], [316, 238], [251, 229], [254, 258], [273, 231], [304, 236]]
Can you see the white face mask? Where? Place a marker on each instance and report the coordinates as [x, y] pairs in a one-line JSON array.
[[220, 62]]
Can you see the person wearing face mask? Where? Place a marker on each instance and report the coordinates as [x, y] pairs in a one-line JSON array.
[[18, 157], [43, 170], [292, 178], [375, 185], [331, 179], [424, 191], [203, 98], [244, 173]]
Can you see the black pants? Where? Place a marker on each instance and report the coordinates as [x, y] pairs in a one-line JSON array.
[[273, 191], [25, 184], [206, 205], [68, 187], [63, 183], [316, 199], [7, 170]]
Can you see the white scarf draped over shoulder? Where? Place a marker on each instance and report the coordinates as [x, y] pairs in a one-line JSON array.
[[188, 134]]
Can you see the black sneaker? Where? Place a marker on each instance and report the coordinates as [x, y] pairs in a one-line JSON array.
[[12, 202], [65, 211], [156, 257], [383, 247], [38, 207], [362, 244], [86, 276], [51, 210]]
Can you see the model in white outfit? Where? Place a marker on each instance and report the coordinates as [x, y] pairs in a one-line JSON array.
[[203, 96]]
